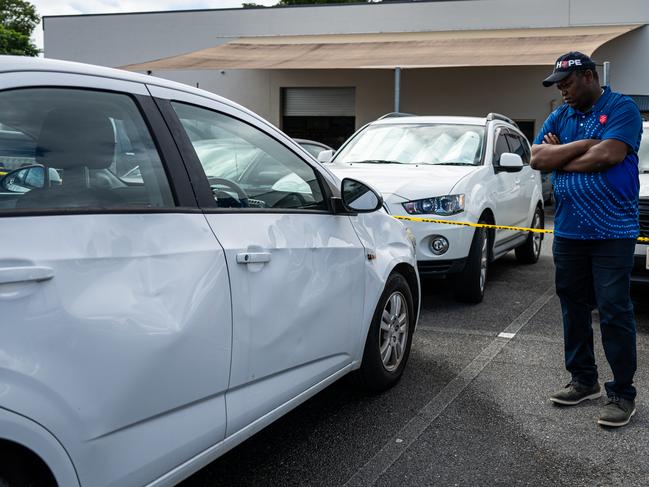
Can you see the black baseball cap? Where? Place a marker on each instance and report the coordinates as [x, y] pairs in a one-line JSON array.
[[569, 63]]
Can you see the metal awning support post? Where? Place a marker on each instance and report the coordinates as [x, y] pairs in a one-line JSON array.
[[607, 73], [397, 89]]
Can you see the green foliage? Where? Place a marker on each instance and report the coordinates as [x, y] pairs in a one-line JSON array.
[[15, 43], [18, 15], [18, 19]]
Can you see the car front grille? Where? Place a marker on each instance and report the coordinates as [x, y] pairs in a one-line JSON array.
[[644, 217]]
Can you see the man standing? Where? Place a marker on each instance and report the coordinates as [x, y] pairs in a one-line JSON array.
[[590, 144]]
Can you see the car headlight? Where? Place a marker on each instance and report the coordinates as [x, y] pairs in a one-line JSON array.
[[441, 205]]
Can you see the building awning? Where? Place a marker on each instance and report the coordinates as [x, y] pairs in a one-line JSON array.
[[502, 47]]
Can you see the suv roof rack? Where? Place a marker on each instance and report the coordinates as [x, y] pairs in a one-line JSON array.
[[499, 116], [395, 114]]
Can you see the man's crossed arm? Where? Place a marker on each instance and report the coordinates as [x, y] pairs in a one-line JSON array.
[[588, 155]]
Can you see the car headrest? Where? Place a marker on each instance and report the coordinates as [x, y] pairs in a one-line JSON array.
[[75, 138]]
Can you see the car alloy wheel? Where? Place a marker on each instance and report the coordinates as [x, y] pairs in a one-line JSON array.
[[389, 337], [484, 262], [536, 237], [393, 332], [530, 251]]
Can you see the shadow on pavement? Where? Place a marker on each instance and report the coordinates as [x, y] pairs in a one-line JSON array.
[[329, 437]]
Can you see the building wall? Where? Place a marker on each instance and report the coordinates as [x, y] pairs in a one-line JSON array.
[[117, 40], [374, 89], [250, 88], [588, 12], [629, 61], [515, 92], [260, 90]]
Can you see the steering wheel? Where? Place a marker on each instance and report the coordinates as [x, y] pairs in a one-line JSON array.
[[242, 197]]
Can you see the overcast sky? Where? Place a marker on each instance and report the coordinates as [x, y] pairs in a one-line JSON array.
[[72, 7]]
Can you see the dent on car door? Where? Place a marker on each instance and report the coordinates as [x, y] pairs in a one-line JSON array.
[[115, 301], [296, 270]]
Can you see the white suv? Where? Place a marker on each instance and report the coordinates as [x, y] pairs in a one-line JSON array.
[[641, 267], [151, 323], [458, 169]]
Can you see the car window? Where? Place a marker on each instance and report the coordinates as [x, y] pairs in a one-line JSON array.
[[247, 168], [527, 150], [421, 143], [518, 146], [67, 148], [312, 149], [500, 147]]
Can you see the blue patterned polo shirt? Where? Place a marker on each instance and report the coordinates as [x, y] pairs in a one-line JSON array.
[[598, 205]]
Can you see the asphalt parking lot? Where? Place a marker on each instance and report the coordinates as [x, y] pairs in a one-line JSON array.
[[471, 409]]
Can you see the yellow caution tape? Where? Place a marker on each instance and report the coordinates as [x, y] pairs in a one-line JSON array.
[[484, 225]]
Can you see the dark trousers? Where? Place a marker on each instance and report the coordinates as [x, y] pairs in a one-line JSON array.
[[596, 274]]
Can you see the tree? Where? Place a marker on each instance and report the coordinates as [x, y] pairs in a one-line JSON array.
[[18, 19]]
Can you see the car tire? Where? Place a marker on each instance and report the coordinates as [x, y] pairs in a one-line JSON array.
[[388, 342], [21, 468], [529, 252], [12, 470], [470, 283], [20, 480], [16, 476]]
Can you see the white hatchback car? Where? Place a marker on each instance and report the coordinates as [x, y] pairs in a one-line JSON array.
[[460, 169], [150, 324]]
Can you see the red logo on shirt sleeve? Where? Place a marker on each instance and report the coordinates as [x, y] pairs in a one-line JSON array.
[[603, 119]]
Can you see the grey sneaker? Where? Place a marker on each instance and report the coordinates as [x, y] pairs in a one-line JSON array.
[[617, 411], [574, 393]]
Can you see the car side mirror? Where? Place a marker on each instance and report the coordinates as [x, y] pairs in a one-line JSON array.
[[24, 179], [325, 156], [358, 197], [510, 162]]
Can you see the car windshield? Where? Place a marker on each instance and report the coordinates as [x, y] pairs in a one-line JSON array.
[[225, 158], [643, 155], [433, 144]]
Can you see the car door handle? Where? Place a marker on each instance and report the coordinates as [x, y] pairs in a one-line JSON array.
[[517, 181], [253, 257], [9, 275]]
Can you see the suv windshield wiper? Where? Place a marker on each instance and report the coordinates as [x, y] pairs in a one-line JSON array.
[[375, 161], [451, 164]]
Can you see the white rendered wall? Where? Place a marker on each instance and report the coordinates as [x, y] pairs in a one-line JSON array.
[[629, 58], [516, 92], [117, 40]]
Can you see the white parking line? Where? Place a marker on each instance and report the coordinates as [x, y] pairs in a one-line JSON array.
[[369, 473]]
